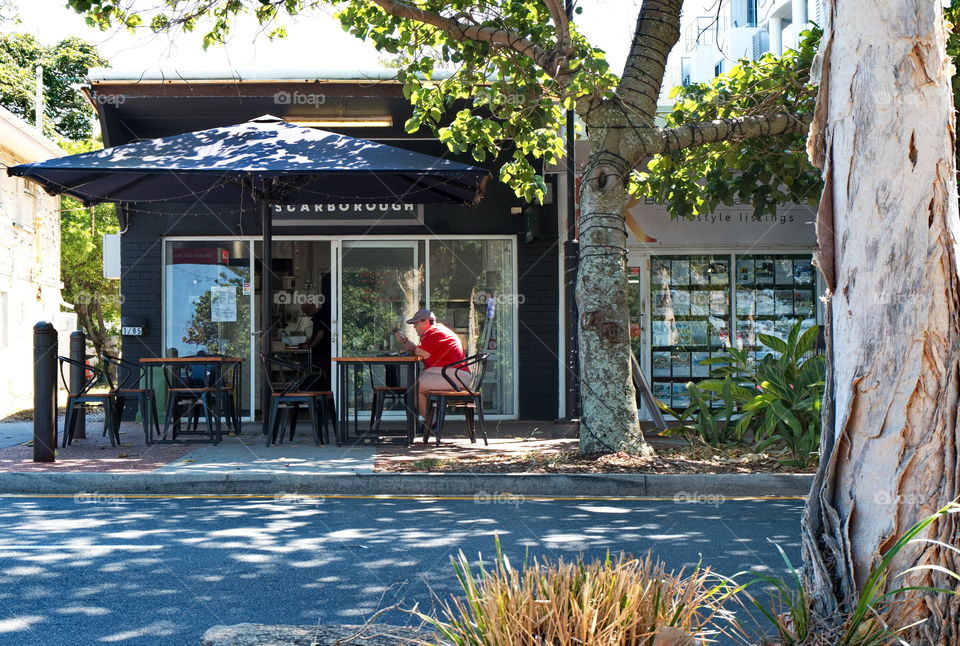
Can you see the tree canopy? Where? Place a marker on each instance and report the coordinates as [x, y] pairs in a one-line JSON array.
[[515, 66], [66, 113]]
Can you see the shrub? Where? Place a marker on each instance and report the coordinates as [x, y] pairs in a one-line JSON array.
[[790, 612], [776, 399], [616, 601]]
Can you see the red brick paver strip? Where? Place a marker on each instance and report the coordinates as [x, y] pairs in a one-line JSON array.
[[94, 454]]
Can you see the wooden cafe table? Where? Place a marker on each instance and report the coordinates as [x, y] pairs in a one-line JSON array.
[[345, 365]]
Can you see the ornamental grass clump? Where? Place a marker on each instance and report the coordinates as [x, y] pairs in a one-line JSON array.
[[611, 602]]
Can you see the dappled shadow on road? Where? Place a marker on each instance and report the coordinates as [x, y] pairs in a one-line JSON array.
[[109, 569]]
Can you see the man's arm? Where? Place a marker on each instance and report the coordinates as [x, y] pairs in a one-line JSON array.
[[416, 350]]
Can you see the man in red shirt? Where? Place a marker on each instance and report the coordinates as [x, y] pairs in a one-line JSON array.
[[439, 346]]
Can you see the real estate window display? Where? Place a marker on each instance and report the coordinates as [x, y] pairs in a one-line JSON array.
[[702, 304]]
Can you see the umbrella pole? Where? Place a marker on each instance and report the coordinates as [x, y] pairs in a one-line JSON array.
[[266, 291]]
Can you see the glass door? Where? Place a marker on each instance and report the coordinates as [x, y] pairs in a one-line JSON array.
[[381, 285]]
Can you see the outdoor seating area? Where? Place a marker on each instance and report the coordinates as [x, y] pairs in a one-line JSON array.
[[196, 399]]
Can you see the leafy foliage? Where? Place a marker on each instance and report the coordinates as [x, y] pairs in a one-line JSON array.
[[66, 113], [95, 298], [776, 398], [704, 421], [502, 106], [789, 608], [952, 15], [764, 171]]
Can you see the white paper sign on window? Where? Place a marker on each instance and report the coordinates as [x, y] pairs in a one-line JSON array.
[[223, 304]]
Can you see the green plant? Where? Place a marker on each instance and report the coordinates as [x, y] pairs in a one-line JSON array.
[[705, 422], [427, 464], [615, 601], [789, 611], [777, 397]]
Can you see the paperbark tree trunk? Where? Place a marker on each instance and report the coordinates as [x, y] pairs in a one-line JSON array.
[[887, 231], [609, 420]]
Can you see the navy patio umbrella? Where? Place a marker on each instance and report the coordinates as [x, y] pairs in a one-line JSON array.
[[266, 160]]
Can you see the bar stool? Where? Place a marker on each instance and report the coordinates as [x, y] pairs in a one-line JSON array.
[[391, 389], [288, 397], [190, 391], [130, 377], [82, 400]]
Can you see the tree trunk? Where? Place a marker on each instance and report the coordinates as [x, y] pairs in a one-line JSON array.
[[609, 418], [887, 232]]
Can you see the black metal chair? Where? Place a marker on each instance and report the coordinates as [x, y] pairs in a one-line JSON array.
[[288, 397], [461, 395], [77, 403], [131, 377], [391, 389], [191, 389], [224, 378]]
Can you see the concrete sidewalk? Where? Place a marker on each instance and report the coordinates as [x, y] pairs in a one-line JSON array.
[[243, 465]]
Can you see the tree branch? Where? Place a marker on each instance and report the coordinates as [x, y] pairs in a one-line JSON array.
[[561, 23], [464, 31], [665, 140], [658, 30]]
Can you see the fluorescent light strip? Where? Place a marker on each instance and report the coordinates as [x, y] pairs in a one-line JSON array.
[[346, 122]]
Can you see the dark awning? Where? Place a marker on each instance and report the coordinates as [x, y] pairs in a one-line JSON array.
[[290, 164]]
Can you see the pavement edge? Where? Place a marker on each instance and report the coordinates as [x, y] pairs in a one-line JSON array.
[[691, 487]]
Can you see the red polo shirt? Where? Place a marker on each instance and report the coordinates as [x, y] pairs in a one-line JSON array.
[[443, 344]]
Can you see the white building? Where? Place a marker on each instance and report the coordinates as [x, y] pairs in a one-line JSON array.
[[715, 35], [29, 262]]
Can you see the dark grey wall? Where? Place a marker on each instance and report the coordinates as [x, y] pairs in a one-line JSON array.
[[142, 264]]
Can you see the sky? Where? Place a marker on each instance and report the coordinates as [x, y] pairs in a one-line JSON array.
[[315, 41]]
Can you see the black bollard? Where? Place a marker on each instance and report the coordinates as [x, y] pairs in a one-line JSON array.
[[44, 392], [78, 376]]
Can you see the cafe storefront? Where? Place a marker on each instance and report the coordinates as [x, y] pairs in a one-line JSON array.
[[191, 273], [364, 287]]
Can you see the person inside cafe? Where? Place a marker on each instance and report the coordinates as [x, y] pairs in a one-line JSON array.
[[319, 346], [438, 347]]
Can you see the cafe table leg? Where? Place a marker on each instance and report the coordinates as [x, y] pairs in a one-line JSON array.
[[342, 400], [411, 402]]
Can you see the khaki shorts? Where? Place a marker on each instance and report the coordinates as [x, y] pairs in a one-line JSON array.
[[432, 379]]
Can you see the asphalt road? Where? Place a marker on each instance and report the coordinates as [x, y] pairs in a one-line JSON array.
[[120, 570]]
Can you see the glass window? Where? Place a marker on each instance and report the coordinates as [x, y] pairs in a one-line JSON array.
[[692, 311], [207, 302], [472, 292], [690, 323], [773, 293]]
